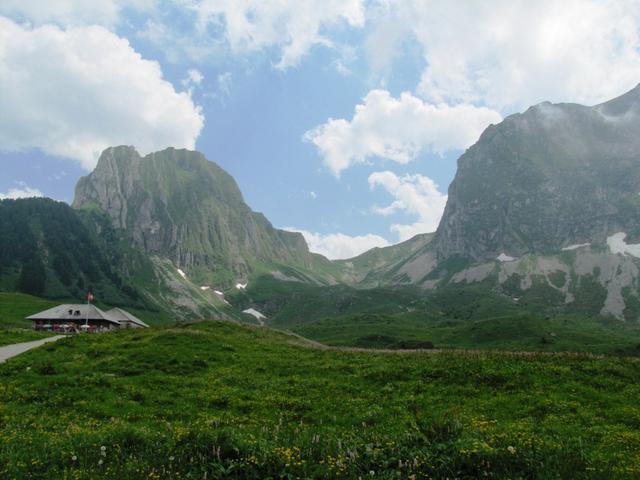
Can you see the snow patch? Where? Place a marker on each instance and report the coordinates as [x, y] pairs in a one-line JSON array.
[[182, 274], [255, 313], [618, 245], [241, 286], [575, 247], [204, 288], [503, 257], [218, 292]]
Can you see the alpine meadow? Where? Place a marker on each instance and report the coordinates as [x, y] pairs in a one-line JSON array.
[[442, 280]]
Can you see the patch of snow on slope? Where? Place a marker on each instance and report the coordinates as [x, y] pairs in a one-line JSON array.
[[503, 257], [618, 245], [218, 292], [204, 288], [241, 286], [259, 316], [575, 247], [182, 274]]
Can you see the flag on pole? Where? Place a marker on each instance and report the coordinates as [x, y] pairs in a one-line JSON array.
[[90, 297]]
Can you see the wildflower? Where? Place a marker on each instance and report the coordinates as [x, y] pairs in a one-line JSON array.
[[512, 450], [100, 462], [74, 458], [171, 458]]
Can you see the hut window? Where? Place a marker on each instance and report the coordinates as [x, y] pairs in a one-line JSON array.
[[77, 312], [70, 312]]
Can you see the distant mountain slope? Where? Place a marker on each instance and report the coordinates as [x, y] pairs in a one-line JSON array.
[[381, 266], [178, 205]]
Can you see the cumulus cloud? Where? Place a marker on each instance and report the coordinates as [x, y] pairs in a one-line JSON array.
[[415, 195], [75, 92], [292, 27], [23, 191], [338, 245], [397, 129], [509, 55]]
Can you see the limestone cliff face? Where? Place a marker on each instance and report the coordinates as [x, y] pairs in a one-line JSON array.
[[177, 204], [553, 176]]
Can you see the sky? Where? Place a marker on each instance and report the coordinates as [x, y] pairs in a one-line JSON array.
[[341, 119]]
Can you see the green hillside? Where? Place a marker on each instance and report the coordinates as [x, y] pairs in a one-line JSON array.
[[454, 316], [49, 250], [15, 307], [218, 400]]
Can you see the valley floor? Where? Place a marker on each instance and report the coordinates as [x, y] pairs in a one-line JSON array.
[[220, 400]]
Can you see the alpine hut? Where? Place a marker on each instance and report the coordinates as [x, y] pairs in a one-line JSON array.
[[82, 318]]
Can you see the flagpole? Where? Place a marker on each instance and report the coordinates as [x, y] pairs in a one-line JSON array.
[[86, 317]]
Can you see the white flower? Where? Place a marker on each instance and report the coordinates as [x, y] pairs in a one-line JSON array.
[[74, 458], [103, 448], [512, 450], [100, 462]]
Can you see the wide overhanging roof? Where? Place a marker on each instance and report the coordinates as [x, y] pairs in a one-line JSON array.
[[124, 316], [79, 312]]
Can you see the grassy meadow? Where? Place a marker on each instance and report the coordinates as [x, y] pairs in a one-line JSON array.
[[221, 400], [512, 332]]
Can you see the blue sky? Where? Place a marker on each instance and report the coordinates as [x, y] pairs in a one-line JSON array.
[[342, 119]]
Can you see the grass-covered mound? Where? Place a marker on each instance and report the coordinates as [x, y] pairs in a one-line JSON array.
[[217, 400]]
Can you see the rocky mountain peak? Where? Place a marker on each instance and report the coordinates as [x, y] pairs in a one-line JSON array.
[[555, 175], [177, 204]]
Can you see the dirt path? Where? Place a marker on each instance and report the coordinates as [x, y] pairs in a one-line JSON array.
[[9, 351]]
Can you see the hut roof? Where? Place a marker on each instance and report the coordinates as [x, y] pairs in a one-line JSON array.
[[73, 312], [123, 316]]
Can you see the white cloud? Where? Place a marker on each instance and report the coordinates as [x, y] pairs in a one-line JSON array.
[[225, 81], [415, 195], [71, 12], [398, 130], [194, 77], [293, 27], [338, 245], [21, 192], [73, 93], [509, 55], [193, 80], [313, 194]]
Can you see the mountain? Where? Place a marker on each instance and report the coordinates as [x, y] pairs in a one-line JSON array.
[[175, 204], [542, 219], [554, 176]]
